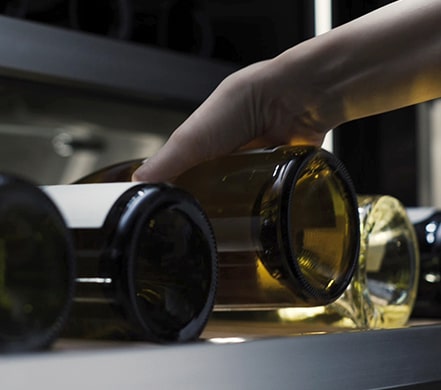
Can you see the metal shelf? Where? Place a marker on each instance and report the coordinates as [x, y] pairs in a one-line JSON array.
[[60, 57], [58, 81], [403, 358]]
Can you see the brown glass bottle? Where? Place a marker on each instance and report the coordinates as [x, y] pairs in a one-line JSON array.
[[37, 267], [146, 261], [285, 220]]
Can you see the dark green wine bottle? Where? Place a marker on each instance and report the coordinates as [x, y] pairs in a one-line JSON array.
[[37, 267], [427, 224], [146, 261], [285, 220]]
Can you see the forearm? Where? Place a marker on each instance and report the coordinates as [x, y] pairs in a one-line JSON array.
[[385, 60]]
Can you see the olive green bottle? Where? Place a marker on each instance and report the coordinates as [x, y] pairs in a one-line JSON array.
[[146, 261], [37, 267]]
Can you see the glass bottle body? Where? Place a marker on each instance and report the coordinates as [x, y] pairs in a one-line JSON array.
[[147, 270], [37, 267], [427, 223], [285, 222]]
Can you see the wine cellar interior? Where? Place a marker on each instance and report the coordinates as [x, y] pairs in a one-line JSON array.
[[87, 84]]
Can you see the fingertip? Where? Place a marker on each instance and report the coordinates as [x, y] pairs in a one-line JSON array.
[[135, 177], [139, 174], [151, 173]]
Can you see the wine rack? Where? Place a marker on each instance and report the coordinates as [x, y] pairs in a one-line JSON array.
[[47, 57], [52, 56]]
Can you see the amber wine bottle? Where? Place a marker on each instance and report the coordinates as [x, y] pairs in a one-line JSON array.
[[146, 261], [285, 220], [37, 267], [427, 223]]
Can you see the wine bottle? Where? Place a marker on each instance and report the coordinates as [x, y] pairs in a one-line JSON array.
[[146, 261], [37, 267], [389, 263], [285, 220], [381, 294], [427, 221]]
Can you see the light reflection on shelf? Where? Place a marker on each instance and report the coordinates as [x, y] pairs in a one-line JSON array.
[[226, 340]]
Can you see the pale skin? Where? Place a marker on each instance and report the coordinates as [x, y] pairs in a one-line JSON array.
[[385, 60]]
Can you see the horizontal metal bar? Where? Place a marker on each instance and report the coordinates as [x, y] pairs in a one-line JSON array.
[[52, 55], [405, 358]]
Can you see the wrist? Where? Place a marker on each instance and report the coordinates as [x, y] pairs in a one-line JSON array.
[[302, 89]]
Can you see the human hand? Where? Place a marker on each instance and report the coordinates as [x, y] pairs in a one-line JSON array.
[[250, 108]]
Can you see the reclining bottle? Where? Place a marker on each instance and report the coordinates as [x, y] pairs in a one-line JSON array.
[[285, 220], [384, 289], [427, 224], [37, 267], [146, 261]]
